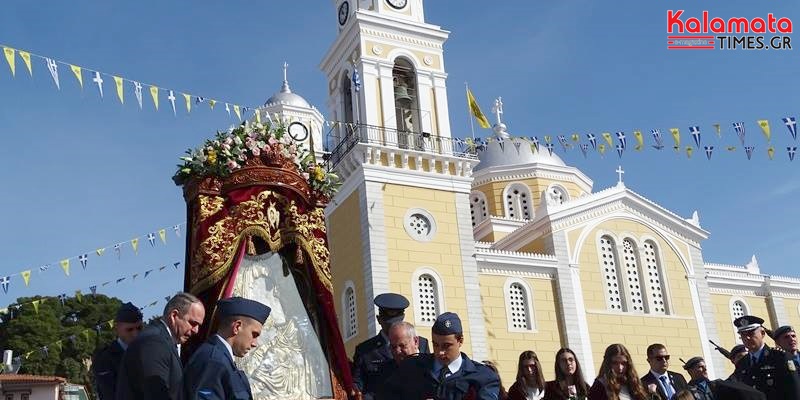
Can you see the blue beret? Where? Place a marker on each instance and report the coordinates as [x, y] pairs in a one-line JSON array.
[[747, 323], [692, 363], [782, 331], [128, 313], [244, 307], [447, 324], [391, 301]]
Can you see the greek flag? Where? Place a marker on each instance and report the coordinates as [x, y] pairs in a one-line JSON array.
[[356, 80], [695, 131], [791, 150], [739, 128], [592, 140], [791, 124], [622, 141], [620, 149], [84, 259], [584, 148], [152, 239], [4, 281], [749, 151], [657, 137], [709, 150]]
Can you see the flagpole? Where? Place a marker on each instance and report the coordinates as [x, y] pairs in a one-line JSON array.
[[469, 114]]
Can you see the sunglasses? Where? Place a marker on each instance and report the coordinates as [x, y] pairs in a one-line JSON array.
[[661, 358]]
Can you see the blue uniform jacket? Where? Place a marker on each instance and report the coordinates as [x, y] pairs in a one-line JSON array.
[[211, 374], [373, 362], [414, 379]]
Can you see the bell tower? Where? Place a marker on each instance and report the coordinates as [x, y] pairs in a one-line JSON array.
[[401, 221]]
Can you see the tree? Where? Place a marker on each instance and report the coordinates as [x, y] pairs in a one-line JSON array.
[[59, 338]]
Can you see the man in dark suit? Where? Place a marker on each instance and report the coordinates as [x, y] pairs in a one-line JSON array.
[[106, 361], [771, 371], [211, 373], [665, 382], [373, 356], [151, 367], [447, 374]]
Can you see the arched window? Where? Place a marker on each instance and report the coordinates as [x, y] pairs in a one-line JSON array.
[[406, 101], [349, 311], [518, 306], [655, 281], [427, 297], [632, 277], [477, 207], [608, 262], [517, 199], [739, 309], [557, 194]]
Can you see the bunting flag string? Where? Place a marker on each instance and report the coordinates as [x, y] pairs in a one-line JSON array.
[[83, 258], [79, 292]]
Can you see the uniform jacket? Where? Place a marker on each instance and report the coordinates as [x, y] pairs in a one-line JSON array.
[[212, 375], [415, 379], [105, 369], [678, 383], [699, 392], [373, 363], [775, 374], [151, 368]]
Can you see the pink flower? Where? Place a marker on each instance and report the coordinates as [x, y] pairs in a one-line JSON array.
[[306, 175], [256, 152], [651, 388], [272, 141], [232, 164]]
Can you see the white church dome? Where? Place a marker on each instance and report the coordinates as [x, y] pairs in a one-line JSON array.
[[285, 96], [507, 152]]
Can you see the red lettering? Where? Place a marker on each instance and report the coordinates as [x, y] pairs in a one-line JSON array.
[[717, 25], [737, 24], [674, 19], [693, 25], [771, 22], [757, 25], [785, 25], [705, 21]]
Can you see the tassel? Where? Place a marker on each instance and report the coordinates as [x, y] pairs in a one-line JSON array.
[[298, 256], [251, 246]]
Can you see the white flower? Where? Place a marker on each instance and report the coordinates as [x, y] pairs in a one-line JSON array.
[[651, 388], [237, 141], [232, 164], [256, 151]]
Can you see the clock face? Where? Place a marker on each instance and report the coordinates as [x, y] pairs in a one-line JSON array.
[[344, 12], [398, 4], [298, 131]]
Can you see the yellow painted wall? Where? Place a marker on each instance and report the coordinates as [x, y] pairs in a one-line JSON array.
[[542, 245], [505, 346], [347, 263], [442, 254], [792, 312], [677, 331], [494, 192], [722, 315]]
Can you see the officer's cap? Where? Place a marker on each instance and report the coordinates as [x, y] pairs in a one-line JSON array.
[[391, 301], [244, 307], [739, 348], [128, 313], [747, 323], [782, 331], [447, 324], [692, 363]]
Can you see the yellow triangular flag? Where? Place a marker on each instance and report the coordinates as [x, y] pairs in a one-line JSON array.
[[547, 138], [36, 306], [162, 233], [188, 98], [154, 94], [65, 266], [135, 244], [764, 124], [26, 276], [689, 151], [100, 251], [476, 112], [26, 57], [78, 74], [771, 152], [601, 148], [639, 140], [78, 295], [731, 148], [576, 137], [236, 110], [607, 137], [12, 59], [212, 103], [110, 324], [719, 130], [676, 136], [121, 96]]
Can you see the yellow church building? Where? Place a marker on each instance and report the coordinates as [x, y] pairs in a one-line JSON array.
[[518, 243]]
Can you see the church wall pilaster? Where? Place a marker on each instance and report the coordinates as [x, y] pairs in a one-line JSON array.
[[706, 322], [373, 239]]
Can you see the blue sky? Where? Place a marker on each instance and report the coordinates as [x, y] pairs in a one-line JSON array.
[[80, 172]]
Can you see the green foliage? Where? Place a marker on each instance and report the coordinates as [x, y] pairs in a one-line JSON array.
[[70, 343]]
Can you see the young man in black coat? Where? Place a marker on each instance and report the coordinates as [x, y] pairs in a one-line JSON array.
[[106, 361]]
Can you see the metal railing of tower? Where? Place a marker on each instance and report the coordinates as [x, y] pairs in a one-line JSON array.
[[344, 136]]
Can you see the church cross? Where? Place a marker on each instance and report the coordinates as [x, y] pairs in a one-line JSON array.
[[620, 171], [498, 109], [285, 67]]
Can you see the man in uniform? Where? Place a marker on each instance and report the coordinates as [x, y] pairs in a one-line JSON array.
[[737, 353], [698, 384], [372, 357], [106, 361], [211, 373], [771, 371], [786, 339], [667, 382], [151, 368], [447, 374]]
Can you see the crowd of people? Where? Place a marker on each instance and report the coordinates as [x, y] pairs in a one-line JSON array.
[[399, 364]]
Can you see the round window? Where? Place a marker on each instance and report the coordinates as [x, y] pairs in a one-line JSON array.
[[419, 224]]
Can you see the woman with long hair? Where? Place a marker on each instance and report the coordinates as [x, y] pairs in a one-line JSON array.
[[530, 381], [617, 379], [569, 382]]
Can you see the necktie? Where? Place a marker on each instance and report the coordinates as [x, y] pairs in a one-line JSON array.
[[667, 387], [440, 390]]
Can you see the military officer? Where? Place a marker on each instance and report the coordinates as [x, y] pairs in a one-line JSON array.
[[699, 385], [372, 361], [211, 373], [447, 374], [105, 362], [786, 339], [771, 371]]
